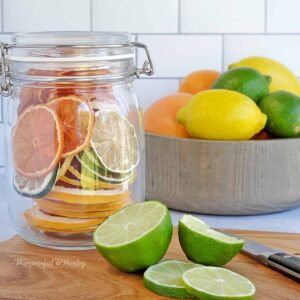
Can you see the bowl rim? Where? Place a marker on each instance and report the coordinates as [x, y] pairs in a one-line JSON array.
[[193, 140]]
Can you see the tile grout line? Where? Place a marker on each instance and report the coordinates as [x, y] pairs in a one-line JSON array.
[[219, 33], [207, 33], [91, 15], [223, 52], [179, 16], [266, 16]]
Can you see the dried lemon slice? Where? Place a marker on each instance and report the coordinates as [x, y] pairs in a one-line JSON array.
[[115, 142]]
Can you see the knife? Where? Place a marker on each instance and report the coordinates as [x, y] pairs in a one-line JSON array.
[[278, 260]]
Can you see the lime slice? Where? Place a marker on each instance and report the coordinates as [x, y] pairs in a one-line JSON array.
[[210, 283], [204, 245], [136, 236], [34, 187], [165, 278], [115, 142], [91, 166]]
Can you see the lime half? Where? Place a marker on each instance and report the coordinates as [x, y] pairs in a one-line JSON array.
[[204, 245], [136, 236], [210, 283], [115, 142], [165, 278]]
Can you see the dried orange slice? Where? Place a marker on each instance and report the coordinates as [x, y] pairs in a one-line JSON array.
[[77, 118], [76, 214], [37, 218], [77, 196], [38, 141], [59, 205]]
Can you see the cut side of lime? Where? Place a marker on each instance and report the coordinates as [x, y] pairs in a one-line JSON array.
[[210, 283], [204, 245], [34, 187], [136, 236], [115, 142], [165, 278]]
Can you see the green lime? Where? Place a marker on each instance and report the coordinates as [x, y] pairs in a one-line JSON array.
[[247, 81], [35, 187], [136, 236], [165, 278], [204, 245], [283, 111], [211, 283]]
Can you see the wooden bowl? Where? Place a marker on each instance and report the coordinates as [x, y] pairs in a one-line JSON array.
[[223, 177]]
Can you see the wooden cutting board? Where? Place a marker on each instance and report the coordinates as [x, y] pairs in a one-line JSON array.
[[86, 275]]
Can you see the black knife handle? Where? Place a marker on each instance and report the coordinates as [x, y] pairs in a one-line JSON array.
[[287, 261]]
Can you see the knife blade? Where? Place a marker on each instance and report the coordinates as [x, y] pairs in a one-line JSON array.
[[278, 260]]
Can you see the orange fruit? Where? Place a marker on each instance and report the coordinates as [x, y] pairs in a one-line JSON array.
[[37, 218], [77, 118], [198, 81], [261, 136], [38, 141], [160, 117]]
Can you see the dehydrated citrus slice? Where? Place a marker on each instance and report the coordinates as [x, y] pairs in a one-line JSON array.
[[77, 118], [115, 142], [50, 209], [64, 166], [34, 187], [75, 214], [59, 205], [68, 231], [89, 197], [36, 217], [38, 141]]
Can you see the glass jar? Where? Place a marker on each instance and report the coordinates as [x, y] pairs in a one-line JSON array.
[[74, 133]]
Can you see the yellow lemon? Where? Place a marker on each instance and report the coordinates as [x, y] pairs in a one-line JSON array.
[[221, 115], [282, 77]]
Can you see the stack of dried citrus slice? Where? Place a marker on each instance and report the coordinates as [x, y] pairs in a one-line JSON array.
[[74, 160]]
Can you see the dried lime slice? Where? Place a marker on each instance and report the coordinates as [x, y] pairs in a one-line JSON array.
[[115, 142]]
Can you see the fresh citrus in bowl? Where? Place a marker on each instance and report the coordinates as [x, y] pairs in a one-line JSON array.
[[160, 117], [198, 81], [222, 115], [282, 77]]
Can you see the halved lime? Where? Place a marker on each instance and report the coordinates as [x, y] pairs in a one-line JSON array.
[[165, 278], [115, 142], [204, 245], [34, 187], [136, 236], [210, 283]]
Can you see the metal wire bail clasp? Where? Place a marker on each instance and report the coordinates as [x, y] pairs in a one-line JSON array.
[[148, 68], [5, 88]]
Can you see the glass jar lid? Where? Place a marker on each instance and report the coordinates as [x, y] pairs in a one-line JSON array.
[[110, 52]]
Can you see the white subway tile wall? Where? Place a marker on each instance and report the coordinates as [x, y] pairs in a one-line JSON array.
[[182, 35]]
